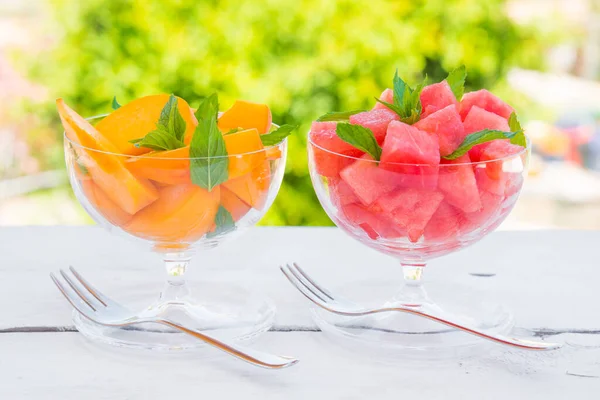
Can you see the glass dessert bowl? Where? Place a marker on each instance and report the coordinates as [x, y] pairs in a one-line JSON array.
[[417, 189], [177, 204]]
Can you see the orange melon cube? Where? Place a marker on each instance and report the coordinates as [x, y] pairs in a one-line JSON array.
[[130, 193], [170, 167], [246, 115], [103, 204], [136, 119], [240, 143], [252, 188], [236, 207], [182, 213]]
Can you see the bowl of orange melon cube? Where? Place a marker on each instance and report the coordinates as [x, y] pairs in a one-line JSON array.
[[178, 179]]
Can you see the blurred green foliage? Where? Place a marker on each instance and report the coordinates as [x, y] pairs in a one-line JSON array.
[[303, 58]]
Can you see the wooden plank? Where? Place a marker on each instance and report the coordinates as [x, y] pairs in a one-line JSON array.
[[64, 366], [546, 277]]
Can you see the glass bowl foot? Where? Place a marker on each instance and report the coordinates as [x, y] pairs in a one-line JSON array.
[[413, 334], [220, 310]]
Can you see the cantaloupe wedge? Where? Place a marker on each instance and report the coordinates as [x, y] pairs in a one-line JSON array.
[[107, 170], [273, 153], [135, 119], [238, 145], [183, 213], [252, 188], [103, 204], [246, 115], [170, 167], [236, 207]]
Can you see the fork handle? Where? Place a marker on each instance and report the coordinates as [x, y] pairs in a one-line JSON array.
[[252, 356], [494, 337]]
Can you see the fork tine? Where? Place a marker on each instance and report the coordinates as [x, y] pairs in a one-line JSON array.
[[313, 282], [81, 292], [75, 300], [301, 288], [105, 300], [307, 285]]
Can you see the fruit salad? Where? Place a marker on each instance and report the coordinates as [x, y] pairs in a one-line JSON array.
[[429, 164], [163, 171]]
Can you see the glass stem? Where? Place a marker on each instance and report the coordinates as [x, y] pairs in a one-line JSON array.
[[176, 288], [413, 293]]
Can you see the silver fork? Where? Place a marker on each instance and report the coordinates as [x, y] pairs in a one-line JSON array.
[[100, 309], [338, 305]]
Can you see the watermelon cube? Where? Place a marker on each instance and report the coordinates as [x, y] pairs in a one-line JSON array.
[[368, 181], [479, 119], [341, 193], [435, 97], [448, 127], [484, 182], [404, 144], [388, 96], [514, 183], [457, 182], [375, 225], [411, 209], [444, 224], [376, 120], [327, 144], [487, 215], [485, 100], [508, 185], [496, 150]]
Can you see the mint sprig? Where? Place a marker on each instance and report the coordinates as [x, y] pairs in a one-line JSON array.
[[277, 136], [515, 126], [209, 162], [480, 137], [223, 221], [115, 104], [169, 131], [360, 137], [407, 101], [456, 80], [171, 120], [338, 115]]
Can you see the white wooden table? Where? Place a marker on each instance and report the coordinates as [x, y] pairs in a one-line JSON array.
[[550, 279]]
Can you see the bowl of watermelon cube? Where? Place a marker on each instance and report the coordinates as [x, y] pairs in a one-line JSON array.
[[429, 170], [178, 181]]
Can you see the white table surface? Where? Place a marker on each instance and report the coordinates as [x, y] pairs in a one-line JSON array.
[[550, 279]]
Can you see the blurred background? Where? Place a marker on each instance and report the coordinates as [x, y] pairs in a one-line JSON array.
[[303, 58]]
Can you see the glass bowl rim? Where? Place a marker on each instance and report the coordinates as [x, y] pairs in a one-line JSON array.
[[507, 157], [145, 155]]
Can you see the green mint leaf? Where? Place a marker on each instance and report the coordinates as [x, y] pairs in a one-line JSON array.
[[169, 131], [234, 130], [171, 119], [338, 115], [277, 136], [159, 139], [407, 101], [480, 137], [519, 139], [456, 79], [400, 93], [209, 107], [224, 223], [209, 162], [391, 106], [360, 137], [115, 104]]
